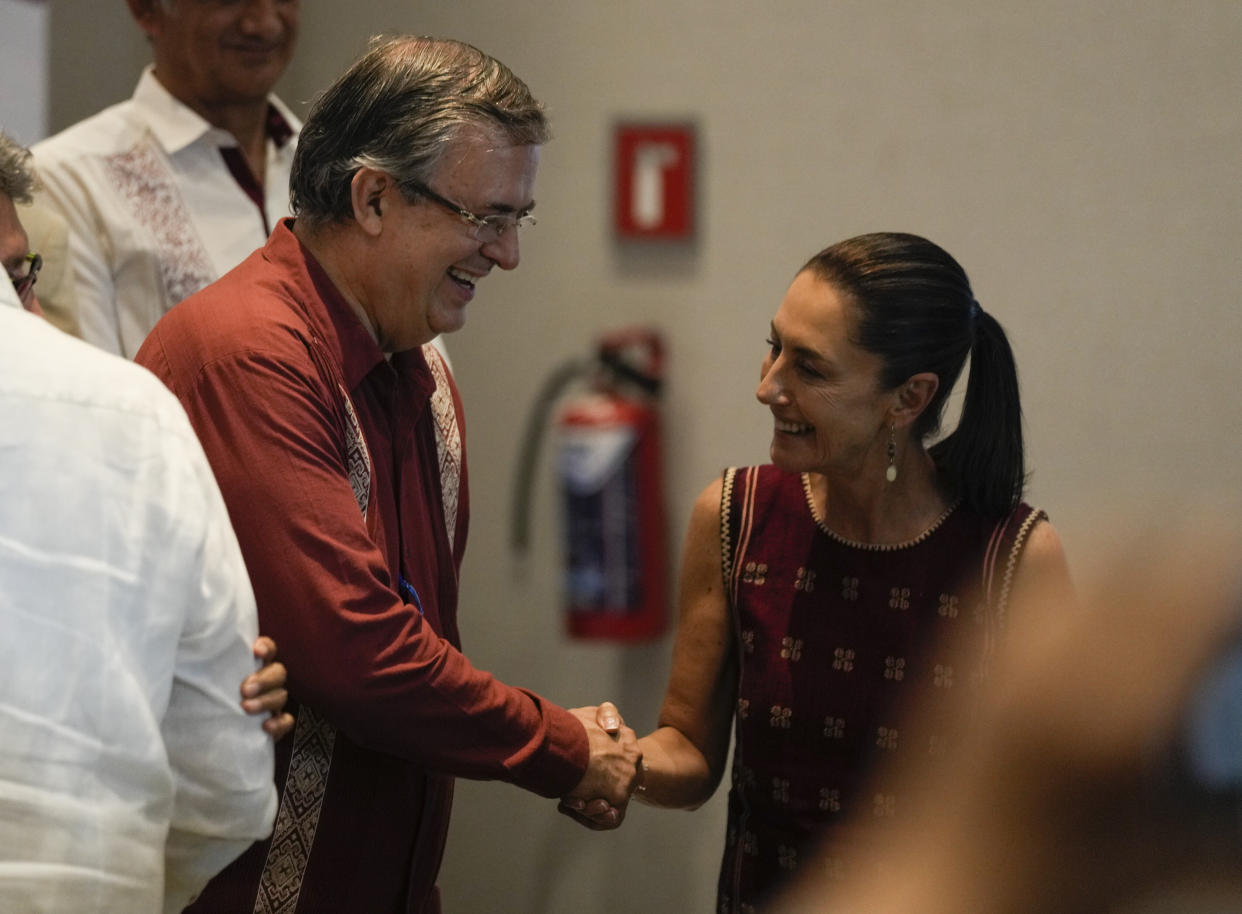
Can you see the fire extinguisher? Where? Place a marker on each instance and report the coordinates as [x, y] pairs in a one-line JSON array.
[[610, 480]]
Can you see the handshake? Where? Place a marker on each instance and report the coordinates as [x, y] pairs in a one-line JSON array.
[[614, 772]]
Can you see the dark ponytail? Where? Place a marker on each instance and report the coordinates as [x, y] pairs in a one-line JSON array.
[[983, 457], [915, 310]]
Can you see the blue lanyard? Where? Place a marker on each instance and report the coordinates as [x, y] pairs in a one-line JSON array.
[[408, 591]]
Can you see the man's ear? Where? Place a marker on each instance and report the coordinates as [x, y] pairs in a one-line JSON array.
[[146, 13], [368, 193], [913, 396]]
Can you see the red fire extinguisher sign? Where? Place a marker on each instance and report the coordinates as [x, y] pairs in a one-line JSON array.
[[654, 181]]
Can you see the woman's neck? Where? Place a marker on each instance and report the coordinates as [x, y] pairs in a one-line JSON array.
[[867, 508]]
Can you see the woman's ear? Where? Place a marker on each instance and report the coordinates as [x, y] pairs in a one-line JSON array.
[[913, 396], [367, 191]]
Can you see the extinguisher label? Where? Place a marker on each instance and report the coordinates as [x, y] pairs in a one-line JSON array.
[[590, 456], [600, 479]]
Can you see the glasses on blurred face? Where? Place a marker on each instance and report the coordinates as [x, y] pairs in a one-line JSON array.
[[484, 229], [24, 284]]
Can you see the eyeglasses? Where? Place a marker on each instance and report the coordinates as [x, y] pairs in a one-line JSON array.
[[484, 229], [24, 284]]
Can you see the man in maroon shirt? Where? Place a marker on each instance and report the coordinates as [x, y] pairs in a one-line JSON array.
[[335, 433]]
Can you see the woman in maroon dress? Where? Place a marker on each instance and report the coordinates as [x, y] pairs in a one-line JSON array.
[[861, 573]]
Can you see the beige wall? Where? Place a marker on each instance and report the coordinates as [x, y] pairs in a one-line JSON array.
[[1081, 160]]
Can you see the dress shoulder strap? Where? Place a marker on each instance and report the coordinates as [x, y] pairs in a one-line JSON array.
[[1009, 537], [737, 517], [726, 533]]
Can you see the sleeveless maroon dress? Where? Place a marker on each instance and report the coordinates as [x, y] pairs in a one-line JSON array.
[[835, 640]]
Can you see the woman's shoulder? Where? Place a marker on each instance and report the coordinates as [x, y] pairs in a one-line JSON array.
[[1038, 565], [759, 476]]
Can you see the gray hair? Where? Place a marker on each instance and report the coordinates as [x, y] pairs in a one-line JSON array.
[[17, 181], [396, 110]]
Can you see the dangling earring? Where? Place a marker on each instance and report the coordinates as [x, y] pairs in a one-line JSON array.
[[891, 473]]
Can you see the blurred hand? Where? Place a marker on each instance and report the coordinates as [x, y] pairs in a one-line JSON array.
[[263, 692], [600, 799]]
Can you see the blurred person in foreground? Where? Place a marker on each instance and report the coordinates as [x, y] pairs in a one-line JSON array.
[[1104, 767], [129, 771], [336, 433], [820, 594]]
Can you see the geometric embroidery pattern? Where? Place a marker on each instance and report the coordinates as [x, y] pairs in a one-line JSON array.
[[298, 817], [448, 440], [306, 784], [144, 183], [357, 457]]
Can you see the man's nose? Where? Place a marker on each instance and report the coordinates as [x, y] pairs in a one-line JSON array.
[[504, 251]]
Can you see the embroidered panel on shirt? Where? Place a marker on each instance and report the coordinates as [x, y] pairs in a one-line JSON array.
[[448, 440], [306, 785], [357, 457], [150, 191], [298, 817]]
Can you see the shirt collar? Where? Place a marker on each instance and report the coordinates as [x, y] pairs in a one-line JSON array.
[[337, 323], [176, 125], [327, 309]]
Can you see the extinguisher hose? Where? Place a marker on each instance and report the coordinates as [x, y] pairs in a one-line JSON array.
[[528, 455], [624, 371]]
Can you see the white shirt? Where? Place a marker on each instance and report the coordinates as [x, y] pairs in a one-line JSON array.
[[154, 213], [129, 774], [8, 295]]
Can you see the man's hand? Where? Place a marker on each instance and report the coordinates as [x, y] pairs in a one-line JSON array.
[[612, 776], [264, 690]]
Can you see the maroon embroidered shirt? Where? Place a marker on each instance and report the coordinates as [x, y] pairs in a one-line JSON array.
[[345, 480]]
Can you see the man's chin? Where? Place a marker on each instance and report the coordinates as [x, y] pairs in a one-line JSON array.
[[253, 80], [449, 323]]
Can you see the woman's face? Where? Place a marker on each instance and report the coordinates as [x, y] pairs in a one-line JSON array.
[[830, 415]]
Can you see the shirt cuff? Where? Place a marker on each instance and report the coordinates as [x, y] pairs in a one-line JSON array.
[[559, 758]]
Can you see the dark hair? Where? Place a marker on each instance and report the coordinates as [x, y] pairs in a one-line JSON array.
[[396, 110], [914, 309]]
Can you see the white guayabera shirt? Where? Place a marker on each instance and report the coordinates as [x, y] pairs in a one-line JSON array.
[[129, 775], [153, 211]]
